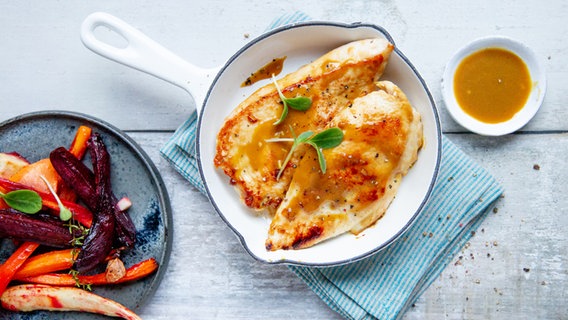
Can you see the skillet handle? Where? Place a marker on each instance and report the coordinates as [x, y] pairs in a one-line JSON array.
[[146, 55]]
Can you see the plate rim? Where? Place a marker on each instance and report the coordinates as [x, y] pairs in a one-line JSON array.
[[150, 167]]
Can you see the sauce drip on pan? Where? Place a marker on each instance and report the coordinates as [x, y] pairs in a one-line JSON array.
[[273, 67]]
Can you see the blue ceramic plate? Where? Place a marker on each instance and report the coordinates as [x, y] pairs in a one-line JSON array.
[[134, 175]]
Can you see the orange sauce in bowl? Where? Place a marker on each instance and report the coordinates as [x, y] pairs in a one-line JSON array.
[[492, 85]]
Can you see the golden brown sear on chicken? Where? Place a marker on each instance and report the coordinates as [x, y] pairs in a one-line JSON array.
[[382, 137], [332, 82]]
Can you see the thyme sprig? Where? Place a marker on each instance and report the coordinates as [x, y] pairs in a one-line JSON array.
[[73, 226], [85, 286]]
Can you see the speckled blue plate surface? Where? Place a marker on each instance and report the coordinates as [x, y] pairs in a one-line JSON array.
[[134, 175]]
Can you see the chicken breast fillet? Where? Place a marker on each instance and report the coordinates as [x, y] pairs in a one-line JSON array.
[[332, 82], [382, 137]]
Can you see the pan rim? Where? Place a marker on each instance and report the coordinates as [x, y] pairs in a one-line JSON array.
[[431, 103]]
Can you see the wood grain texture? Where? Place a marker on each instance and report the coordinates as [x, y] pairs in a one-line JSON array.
[[515, 267], [45, 56]]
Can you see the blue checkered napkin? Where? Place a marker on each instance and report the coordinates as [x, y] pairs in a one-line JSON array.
[[384, 285], [179, 150]]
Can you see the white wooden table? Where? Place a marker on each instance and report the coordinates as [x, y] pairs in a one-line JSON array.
[[515, 267]]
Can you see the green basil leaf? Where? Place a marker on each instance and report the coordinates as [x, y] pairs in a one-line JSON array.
[[26, 201], [299, 103], [329, 138]]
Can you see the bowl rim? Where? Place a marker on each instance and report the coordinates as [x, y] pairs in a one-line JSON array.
[[527, 112]]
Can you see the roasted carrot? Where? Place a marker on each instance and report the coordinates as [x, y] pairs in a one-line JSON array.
[[51, 261], [30, 176], [31, 297], [135, 272], [78, 148], [80, 213], [79, 144], [14, 263]]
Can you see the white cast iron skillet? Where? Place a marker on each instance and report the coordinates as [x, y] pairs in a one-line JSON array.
[[217, 92]]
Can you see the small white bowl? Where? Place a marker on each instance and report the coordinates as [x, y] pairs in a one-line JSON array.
[[522, 117]]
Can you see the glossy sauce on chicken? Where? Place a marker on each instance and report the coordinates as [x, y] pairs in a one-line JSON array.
[[382, 136], [332, 82]]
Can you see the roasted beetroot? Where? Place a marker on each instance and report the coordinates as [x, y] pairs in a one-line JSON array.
[[80, 178], [124, 227], [99, 241], [42, 229], [76, 175], [80, 213]]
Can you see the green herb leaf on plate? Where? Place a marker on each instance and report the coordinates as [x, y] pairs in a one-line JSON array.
[[26, 201]]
